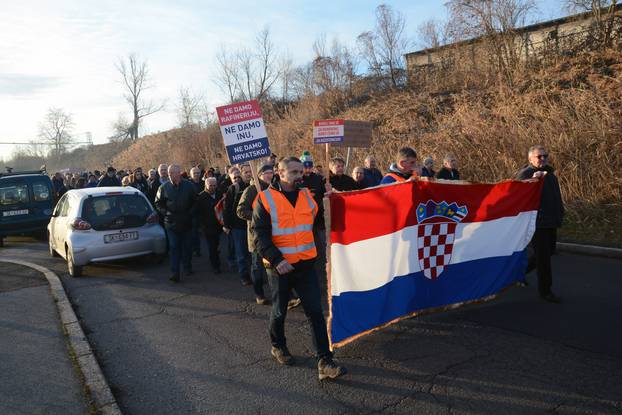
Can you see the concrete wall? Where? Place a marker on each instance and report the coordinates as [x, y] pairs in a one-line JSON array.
[[529, 43]]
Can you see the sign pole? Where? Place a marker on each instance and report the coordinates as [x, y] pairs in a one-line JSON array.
[[348, 159], [327, 221], [253, 165], [327, 161]]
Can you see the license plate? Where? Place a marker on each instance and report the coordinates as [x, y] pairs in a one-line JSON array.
[[120, 237], [15, 212]]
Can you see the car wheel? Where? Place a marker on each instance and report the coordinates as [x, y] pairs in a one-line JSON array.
[[1, 242], [53, 253], [74, 270]]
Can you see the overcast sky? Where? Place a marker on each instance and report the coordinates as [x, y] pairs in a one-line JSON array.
[[62, 53]]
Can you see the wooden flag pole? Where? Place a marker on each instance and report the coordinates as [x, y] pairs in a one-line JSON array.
[[327, 162], [327, 223], [253, 165], [348, 160]]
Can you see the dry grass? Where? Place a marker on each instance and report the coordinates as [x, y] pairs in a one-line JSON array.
[[573, 107]]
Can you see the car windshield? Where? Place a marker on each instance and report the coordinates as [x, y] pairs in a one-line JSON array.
[[41, 192], [13, 194], [115, 211]]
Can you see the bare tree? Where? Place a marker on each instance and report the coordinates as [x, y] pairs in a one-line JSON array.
[[384, 47], [188, 107], [432, 34], [207, 116], [56, 130], [269, 70], [332, 69], [122, 130], [226, 72], [288, 74], [249, 73], [604, 18], [135, 78], [496, 21]]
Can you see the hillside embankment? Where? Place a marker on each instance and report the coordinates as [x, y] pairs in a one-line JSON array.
[[573, 107]]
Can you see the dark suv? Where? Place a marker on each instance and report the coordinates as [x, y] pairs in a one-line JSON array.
[[26, 203]]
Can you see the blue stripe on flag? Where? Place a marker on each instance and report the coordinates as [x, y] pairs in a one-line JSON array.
[[355, 312]]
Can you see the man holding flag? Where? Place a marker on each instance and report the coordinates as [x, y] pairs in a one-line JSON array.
[[283, 226], [404, 168]]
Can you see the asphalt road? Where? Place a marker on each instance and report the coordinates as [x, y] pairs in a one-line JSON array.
[[36, 372], [202, 347]]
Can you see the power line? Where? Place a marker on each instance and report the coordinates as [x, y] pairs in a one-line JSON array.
[[47, 144]]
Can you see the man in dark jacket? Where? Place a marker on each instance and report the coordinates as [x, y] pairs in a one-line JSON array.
[[317, 185], [176, 200], [236, 227], [196, 180], [373, 176], [139, 181], [428, 168], [59, 186], [206, 201], [245, 211], [338, 179], [110, 179], [550, 216], [298, 272], [226, 180], [358, 174], [153, 184], [449, 171]]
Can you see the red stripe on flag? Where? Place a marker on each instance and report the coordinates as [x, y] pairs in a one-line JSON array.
[[238, 112], [366, 214]]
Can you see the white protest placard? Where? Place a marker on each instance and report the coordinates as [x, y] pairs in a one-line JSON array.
[[243, 131], [328, 131]]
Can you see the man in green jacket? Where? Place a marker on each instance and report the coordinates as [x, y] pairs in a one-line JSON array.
[[244, 211]]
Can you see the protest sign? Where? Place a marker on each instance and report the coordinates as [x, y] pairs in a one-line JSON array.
[[356, 134], [328, 131], [243, 131]]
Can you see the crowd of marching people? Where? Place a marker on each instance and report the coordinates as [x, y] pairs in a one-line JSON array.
[[227, 195], [278, 235]]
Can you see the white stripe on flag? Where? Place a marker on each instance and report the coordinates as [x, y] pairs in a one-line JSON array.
[[371, 263]]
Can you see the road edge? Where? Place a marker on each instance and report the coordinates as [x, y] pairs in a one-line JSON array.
[[104, 401], [591, 250]]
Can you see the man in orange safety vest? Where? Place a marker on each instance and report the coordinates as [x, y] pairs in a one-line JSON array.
[[282, 223]]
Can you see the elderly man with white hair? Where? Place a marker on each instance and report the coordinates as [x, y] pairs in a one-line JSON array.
[[449, 171], [373, 176], [163, 173], [550, 216], [176, 202]]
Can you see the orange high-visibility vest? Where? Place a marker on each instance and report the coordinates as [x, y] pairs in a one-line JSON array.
[[400, 179], [292, 227]]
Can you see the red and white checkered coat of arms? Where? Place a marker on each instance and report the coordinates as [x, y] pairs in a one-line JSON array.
[[436, 235]]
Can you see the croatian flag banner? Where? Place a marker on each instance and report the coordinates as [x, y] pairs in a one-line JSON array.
[[400, 250]]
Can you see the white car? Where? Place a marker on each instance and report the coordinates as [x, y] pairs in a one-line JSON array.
[[104, 224]]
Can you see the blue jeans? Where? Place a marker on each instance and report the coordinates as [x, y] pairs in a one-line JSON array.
[[258, 274], [305, 282], [230, 250], [242, 256], [180, 248]]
